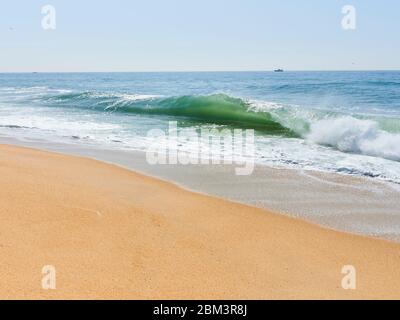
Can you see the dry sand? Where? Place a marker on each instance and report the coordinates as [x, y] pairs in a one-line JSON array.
[[112, 233]]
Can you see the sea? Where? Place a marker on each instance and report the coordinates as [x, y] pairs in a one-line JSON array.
[[342, 122]]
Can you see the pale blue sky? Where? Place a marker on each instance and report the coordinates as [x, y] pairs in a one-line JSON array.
[[204, 35]]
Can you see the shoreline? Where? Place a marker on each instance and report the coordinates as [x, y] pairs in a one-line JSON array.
[[351, 204], [100, 226]]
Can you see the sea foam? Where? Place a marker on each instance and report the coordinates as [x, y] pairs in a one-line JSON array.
[[349, 134]]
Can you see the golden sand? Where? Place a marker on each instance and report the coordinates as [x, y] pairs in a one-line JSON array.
[[112, 233]]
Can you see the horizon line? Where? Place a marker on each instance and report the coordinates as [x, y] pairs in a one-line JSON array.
[[205, 71]]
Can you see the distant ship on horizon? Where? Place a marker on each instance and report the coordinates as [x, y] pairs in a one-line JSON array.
[[278, 70]]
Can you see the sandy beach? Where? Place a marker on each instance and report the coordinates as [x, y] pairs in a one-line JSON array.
[[112, 233]]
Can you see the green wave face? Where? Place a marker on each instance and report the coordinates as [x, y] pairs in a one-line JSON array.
[[218, 109]]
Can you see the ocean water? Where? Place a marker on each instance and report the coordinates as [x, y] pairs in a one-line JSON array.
[[344, 122]]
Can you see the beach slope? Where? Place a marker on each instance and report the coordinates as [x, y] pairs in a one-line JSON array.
[[112, 233]]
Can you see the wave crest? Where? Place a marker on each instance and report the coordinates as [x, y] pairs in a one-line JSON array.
[[349, 134], [214, 109]]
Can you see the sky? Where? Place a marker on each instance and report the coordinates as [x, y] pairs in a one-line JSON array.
[[194, 35]]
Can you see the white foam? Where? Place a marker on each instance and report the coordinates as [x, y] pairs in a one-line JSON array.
[[263, 106], [349, 134], [124, 96]]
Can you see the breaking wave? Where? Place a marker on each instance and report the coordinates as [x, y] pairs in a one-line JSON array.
[[352, 134]]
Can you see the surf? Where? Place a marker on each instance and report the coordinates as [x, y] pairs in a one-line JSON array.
[[365, 135], [352, 135]]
